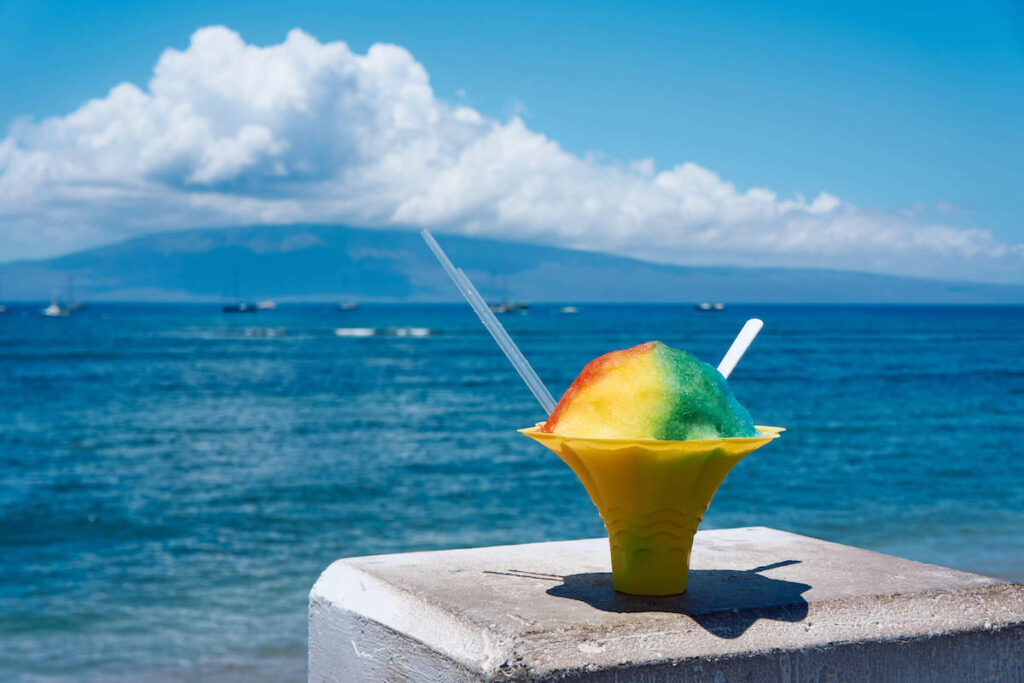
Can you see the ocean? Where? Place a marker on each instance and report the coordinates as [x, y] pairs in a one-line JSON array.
[[173, 479]]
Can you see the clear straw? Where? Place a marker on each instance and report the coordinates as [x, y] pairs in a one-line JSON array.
[[487, 317]]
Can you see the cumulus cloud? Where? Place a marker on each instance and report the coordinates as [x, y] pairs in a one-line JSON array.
[[228, 133]]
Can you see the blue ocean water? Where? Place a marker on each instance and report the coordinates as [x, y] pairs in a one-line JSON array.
[[173, 479]]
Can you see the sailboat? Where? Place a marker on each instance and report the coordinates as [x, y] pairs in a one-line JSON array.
[[238, 306], [506, 305], [347, 304], [55, 310], [73, 305]]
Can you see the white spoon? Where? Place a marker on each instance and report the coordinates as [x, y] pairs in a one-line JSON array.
[[739, 346]]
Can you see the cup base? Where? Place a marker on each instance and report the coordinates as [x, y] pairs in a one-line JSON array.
[[650, 551]]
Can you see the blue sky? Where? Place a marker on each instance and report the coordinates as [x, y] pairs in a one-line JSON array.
[[906, 109]]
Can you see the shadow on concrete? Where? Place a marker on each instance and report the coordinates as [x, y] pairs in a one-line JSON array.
[[725, 602]]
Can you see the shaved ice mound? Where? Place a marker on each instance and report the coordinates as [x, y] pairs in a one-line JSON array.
[[650, 391]]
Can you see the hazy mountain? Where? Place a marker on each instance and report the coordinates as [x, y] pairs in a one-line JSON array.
[[318, 262]]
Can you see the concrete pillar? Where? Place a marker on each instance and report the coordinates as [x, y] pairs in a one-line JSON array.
[[762, 605]]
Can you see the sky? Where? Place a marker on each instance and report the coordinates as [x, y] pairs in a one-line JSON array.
[[869, 136]]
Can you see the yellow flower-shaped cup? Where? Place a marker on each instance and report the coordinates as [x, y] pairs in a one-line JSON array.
[[651, 495]]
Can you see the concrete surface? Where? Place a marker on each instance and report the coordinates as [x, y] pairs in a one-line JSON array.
[[763, 605]]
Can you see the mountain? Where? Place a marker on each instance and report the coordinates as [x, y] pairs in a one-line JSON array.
[[321, 262]]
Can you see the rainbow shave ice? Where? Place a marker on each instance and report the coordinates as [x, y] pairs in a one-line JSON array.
[[650, 391], [650, 431]]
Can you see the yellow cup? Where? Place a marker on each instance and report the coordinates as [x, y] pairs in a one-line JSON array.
[[651, 495]]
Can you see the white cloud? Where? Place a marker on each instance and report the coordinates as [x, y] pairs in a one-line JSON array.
[[228, 133]]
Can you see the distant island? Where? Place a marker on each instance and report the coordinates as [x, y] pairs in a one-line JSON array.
[[340, 263]]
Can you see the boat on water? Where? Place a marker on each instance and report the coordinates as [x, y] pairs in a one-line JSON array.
[[58, 310], [55, 310], [3, 309], [707, 306], [267, 305], [568, 310], [239, 307], [509, 307], [348, 306]]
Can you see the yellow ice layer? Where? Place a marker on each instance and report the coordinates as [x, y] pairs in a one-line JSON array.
[[651, 495]]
